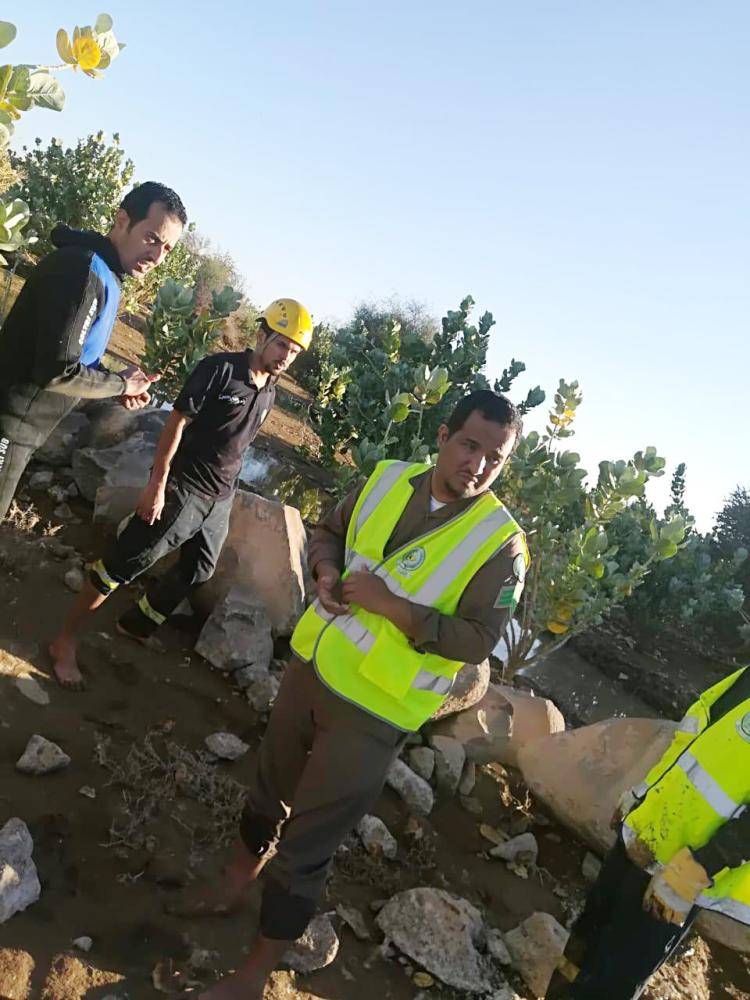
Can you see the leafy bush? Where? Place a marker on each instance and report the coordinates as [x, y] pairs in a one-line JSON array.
[[179, 333], [81, 186], [732, 532], [577, 572]]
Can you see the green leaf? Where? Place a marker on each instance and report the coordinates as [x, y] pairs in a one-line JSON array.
[[46, 92], [7, 33], [103, 23]]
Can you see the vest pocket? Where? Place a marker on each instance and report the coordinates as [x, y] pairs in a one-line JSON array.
[[391, 664]]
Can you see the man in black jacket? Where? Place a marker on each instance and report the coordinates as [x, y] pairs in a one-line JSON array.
[[55, 336]]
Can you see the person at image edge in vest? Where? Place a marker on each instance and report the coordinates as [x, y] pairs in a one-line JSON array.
[[417, 573], [188, 499], [683, 846], [55, 336]]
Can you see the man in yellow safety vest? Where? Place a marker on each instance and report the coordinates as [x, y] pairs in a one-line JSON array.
[[417, 573], [683, 846]]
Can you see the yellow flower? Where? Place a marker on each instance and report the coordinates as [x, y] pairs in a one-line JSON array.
[[557, 627], [83, 51]]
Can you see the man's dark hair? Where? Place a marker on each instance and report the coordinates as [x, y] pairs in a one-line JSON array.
[[138, 202], [492, 406]]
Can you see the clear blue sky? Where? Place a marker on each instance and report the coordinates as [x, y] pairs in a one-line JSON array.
[[580, 168]]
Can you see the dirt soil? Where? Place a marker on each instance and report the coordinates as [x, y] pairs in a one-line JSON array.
[[160, 814]]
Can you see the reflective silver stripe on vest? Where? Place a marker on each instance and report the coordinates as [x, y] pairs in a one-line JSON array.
[[707, 787], [379, 491], [640, 790], [448, 569], [690, 724], [729, 907], [427, 681]]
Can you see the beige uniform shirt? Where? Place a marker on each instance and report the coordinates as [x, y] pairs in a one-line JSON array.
[[485, 606]]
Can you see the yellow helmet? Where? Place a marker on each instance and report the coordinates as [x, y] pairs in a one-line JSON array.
[[290, 318]]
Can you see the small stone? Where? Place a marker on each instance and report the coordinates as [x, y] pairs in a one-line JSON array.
[[414, 790], [87, 791], [522, 850], [497, 947], [591, 867], [262, 694], [468, 778], [377, 905], [31, 689], [226, 745], [351, 916], [423, 980], [316, 949], [63, 512], [74, 580], [57, 493], [41, 480], [41, 756], [377, 838], [19, 882], [83, 943], [422, 761], [471, 805], [535, 947], [450, 758], [245, 677], [71, 491]]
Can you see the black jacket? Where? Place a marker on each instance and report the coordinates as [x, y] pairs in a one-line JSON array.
[[55, 335]]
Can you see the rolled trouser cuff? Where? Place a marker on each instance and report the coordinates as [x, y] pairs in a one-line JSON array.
[[258, 834], [284, 916], [101, 579]]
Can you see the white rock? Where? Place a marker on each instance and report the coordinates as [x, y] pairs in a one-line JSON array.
[[83, 943], [226, 745], [41, 756], [354, 919], [505, 992], [497, 947], [535, 947], [32, 689], [74, 580], [440, 932], [245, 677], [19, 883], [469, 687], [317, 947], [414, 790], [422, 761], [262, 693], [521, 850], [63, 512], [59, 447], [41, 480], [450, 758], [468, 778], [377, 838], [237, 633], [591, 867], [57, 493]]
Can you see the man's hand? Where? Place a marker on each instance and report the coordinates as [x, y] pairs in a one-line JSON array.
[[151, 503], [135, 402], [672, 893], [368, 591], [136, 381], [327, 580]]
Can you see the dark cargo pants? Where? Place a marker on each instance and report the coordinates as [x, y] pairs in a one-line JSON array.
[[615, 943], [13, 460], [196, 526], [321, 766]]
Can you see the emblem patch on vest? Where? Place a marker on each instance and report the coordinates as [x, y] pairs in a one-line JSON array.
[[743, 727], [410, 561]]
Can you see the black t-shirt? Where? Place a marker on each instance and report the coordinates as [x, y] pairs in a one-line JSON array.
[[226, 411]]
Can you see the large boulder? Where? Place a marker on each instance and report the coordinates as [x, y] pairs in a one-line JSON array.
[[62, 443], [503, 721], [19, 883], [580, 776], [266, 553], [442, 933], [110, 423], [91, 465], [237, 633], [469, 687]]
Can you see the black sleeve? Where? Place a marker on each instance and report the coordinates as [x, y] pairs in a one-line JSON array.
[[729, 847], [68, 300], [203, 383]]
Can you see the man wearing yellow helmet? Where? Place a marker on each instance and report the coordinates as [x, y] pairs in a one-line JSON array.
[[188, 498]]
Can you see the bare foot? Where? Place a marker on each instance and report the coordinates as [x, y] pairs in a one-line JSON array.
[[65, 665], [149, 641]]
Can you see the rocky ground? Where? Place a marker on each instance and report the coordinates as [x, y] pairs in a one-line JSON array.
[[143, 807]]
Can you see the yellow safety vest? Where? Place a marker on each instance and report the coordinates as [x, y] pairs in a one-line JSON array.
[[362, 656], [701, 782]]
